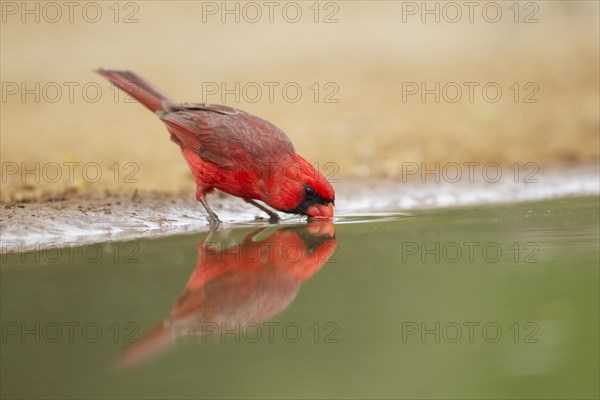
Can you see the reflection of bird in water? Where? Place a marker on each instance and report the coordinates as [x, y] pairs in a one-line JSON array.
[[246, 283]]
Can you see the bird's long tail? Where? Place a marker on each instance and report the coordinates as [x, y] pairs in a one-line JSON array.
[[138, 88]]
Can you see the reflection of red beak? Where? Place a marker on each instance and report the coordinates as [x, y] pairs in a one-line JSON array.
[[321, 228], [319, 211]]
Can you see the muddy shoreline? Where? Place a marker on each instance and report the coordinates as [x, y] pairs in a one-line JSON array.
[[79, 219]]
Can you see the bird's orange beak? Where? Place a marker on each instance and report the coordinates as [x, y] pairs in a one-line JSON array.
[[319, 211]]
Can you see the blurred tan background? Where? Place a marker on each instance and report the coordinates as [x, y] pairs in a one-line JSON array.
[[368, 55]]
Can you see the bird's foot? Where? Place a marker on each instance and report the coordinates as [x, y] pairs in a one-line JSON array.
[[213, 221], [212, 218], [274, 218]]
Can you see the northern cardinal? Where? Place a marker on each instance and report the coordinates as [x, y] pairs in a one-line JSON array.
[[235, 152], [246, 283]]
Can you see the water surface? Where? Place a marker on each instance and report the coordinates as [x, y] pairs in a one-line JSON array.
[[480, 302]]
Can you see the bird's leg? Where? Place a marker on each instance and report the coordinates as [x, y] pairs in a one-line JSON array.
[[273, 217], [212, 217]]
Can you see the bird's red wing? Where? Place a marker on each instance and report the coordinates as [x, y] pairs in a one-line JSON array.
[[225, 136], [192, 133]]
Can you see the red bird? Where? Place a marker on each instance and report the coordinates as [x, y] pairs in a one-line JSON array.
[[235, 152], [246, 283]]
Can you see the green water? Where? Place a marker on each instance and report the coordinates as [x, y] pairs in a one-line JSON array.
[[407, 306]]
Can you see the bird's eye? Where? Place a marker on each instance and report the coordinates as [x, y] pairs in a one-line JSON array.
[[308, 190]]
